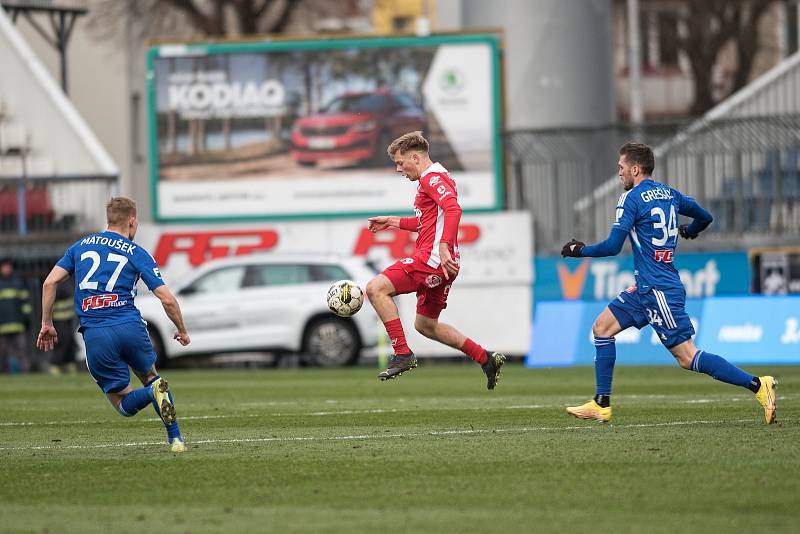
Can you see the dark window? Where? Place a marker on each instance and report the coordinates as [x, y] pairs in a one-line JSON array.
[[401, 24], [355, 104], [220, 281], [327, 273], [277, 275], [404, 102], [668, 38]]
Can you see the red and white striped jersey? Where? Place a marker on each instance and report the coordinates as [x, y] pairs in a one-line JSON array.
[[438, 214]]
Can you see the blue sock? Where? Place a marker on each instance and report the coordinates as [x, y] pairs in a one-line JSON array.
[[720, 369], [604, 360], [135, 401]]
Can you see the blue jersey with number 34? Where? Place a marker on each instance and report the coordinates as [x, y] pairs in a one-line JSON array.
[[649, 213], [106, 267]]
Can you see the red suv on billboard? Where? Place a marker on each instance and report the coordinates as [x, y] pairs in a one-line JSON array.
[[355, 127]]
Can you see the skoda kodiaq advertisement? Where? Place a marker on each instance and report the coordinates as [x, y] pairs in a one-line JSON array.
[[300, 128]]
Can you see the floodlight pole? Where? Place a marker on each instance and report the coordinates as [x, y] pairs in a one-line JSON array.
[[635, 65], [62, 21]]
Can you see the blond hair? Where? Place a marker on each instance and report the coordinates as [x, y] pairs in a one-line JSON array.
[[119, 210], [412, 141]]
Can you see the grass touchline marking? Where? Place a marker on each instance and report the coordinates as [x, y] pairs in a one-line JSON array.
[[454, 432]]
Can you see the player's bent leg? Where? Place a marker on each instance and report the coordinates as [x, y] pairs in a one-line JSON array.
[[490, 362], [130, 401], [718, 368], [164, 404], [380, 291]]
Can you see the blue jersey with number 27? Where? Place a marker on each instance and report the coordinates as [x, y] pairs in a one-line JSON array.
[[106, 267], [649, 213]]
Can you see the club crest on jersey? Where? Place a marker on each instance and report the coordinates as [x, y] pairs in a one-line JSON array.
[[434, 180], [664, 256], [95, 302], [433, 280]]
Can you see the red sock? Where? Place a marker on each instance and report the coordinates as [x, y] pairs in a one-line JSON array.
[[395, 330], [474, 351]]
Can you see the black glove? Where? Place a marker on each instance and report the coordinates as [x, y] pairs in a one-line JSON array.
[[684, 231], [573, 249]]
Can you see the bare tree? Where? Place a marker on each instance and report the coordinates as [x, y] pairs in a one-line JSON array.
[[179, 19], [711, 25]]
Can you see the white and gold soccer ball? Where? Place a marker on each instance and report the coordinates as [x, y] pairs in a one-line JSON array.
[[345, 298]]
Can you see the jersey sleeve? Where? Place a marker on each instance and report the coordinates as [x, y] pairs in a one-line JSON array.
[[444, 194], [67, 261], [148, 268], [410, 224], [625, 214], [688, 206]]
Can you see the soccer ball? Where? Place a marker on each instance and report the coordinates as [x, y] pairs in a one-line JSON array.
[[345, 298]]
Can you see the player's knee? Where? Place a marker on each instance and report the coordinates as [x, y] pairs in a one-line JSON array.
[[684, 361], [601, 330], [375, 288]]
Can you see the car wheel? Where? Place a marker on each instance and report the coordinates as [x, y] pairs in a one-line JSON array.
[[331, 342], [158, 348]]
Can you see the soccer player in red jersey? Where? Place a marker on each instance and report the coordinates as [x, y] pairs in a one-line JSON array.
[[433, 267]]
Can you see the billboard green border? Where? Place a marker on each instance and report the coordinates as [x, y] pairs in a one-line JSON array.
[[202, 49]]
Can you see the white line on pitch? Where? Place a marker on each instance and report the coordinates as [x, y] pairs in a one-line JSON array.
[[455, 432]]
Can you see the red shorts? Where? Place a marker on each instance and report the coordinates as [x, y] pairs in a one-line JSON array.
[[408, 276]]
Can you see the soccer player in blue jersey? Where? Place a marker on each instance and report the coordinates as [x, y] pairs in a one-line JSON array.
[[107, 266], [647, 212]]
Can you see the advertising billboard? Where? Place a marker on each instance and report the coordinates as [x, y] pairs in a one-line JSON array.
[[299, 129], [744, 330], [491, 300], [703, 275]]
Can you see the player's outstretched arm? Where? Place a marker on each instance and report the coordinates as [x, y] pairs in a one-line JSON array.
[[382, 222], [610, 247], [173, 310], [47, 335]]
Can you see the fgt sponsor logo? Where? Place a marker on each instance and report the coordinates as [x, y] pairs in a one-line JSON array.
[[664, 256], [96, 302], [200, 247], [401, 243]]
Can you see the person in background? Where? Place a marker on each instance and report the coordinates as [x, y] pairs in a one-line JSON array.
[[15, 317], [62, 357]]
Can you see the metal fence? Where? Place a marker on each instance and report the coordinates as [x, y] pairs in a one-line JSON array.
[[746, 171], [37, 212]]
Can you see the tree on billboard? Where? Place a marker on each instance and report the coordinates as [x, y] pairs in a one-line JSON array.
[[712, 25]]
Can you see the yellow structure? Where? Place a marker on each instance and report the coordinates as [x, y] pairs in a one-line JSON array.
[[402, 16]]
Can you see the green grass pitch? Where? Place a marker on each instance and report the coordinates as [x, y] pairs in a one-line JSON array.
[[314, 450]]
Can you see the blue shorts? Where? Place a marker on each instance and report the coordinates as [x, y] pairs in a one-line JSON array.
[[663, 309], [110, 350]]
